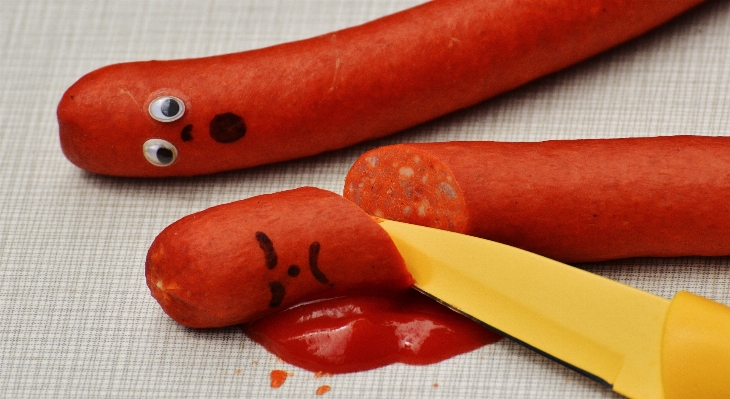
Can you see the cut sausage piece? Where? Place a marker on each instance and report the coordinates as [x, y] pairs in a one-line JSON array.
[[574, 201], [234, 263], [206, 115]]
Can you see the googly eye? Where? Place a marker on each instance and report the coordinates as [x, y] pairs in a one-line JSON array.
[[167, 108], [159, 152]]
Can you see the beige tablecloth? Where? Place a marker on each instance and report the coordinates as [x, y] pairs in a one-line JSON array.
[[76, 319]]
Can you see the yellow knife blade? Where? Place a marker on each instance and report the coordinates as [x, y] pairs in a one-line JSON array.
[[606, 330]]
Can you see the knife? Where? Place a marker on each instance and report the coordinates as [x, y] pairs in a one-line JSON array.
[[641, 345]]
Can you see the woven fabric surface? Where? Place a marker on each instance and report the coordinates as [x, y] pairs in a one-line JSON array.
[[76, 318]]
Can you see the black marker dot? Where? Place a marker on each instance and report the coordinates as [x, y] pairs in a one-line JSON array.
[[187, 133], [277, 294], [227, 128], [268, 247], [293, 271], [313, 267]]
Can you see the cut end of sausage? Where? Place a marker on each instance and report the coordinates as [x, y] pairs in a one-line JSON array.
[[406, 184]]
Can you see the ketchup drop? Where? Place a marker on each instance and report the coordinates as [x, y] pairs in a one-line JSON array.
[[358, 333]]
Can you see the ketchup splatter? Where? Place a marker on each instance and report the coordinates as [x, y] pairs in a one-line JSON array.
[[323, 390], [278, 377], [360, 333]]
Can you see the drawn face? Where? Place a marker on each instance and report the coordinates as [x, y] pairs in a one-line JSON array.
[[277, 289], [138, 119]]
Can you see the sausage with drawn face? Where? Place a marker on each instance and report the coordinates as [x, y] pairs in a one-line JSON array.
[[234, 263], [206, 115]]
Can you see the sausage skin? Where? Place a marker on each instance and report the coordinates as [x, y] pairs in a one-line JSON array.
[[572, 200], [306, 97], [234, 263]]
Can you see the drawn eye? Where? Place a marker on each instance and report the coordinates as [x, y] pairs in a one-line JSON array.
[[159, 152], [167, 108]]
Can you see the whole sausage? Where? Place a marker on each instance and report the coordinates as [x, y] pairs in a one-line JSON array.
[[573, 200], [206, 115], [234, 263]]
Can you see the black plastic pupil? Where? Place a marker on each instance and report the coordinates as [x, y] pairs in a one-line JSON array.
[[170, 107], [165, 156]]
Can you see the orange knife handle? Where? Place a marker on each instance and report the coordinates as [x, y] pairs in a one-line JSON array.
[[696, 349]]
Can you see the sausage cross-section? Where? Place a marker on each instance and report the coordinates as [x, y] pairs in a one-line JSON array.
[[570, 200]]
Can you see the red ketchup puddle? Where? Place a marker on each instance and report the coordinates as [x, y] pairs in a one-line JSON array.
[[349, 334]]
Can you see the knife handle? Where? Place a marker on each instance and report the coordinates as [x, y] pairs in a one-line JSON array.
[[696, 348]]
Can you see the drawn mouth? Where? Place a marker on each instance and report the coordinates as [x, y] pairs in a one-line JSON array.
[[277, 294]]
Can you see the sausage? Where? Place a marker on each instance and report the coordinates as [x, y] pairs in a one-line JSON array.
[[234, 263], [572, 200], [206, 115]]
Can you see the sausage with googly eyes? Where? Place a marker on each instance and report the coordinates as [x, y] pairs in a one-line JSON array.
[[207, 115], [234, 263]]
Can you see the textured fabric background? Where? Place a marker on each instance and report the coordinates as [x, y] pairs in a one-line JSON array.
[[76, 319]]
